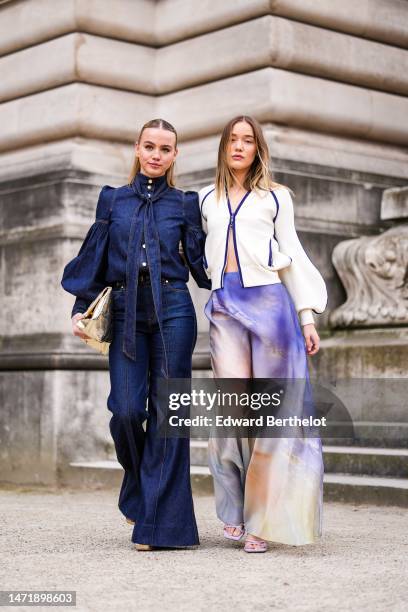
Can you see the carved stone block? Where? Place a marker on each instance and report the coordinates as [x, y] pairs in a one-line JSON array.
[[374, 273]]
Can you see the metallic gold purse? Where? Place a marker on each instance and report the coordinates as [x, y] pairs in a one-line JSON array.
[[97, 322]]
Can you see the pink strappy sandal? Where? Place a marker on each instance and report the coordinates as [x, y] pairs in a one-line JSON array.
[[255, 546], [229, 536]]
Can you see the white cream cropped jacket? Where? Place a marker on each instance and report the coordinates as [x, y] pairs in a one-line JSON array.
[[266, 244]]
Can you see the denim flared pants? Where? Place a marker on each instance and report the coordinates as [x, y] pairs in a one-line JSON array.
[[156, 490]]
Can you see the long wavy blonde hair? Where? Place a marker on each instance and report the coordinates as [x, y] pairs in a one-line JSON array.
[[259, 175], [164, 125]]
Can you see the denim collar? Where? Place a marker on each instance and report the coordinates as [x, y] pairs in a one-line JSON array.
[[142, 182]]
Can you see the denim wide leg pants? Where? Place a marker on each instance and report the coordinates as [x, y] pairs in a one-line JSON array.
[[156, 489]]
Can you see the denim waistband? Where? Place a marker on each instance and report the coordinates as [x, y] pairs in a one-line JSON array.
[[143, 279]]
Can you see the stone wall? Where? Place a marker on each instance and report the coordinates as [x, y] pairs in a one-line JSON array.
[[328, 80]]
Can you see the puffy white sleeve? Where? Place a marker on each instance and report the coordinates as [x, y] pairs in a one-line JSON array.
[[301, 278]]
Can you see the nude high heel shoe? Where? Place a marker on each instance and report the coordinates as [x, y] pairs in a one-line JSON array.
[[144, 547]]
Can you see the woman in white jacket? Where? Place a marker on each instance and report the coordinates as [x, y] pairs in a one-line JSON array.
[[264, 289]]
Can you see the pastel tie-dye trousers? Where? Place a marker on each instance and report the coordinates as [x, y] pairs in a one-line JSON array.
[[272, 485]]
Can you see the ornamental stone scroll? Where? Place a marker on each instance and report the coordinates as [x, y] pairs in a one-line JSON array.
[[374, 272]]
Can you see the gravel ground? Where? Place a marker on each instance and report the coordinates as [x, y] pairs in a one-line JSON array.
[[79, 541]]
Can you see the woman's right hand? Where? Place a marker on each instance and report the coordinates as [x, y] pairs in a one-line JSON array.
[[75, 329]]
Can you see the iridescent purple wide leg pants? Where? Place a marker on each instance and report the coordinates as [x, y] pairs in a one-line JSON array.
[[273, 485]]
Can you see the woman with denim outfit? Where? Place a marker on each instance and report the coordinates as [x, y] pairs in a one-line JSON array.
[[264, 290], [133, 246]]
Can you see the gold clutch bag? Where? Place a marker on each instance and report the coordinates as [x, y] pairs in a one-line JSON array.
[[97, 322]]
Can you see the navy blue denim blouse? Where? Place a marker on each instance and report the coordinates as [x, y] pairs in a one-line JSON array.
[[126, 218]]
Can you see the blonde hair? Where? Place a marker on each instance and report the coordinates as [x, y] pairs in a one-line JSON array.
[[164, 125], [259, 175]]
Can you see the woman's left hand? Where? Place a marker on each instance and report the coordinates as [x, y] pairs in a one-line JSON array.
[[311, 338]]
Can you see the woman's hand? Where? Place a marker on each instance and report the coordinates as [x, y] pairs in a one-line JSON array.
[[311, 338], [75, 329]]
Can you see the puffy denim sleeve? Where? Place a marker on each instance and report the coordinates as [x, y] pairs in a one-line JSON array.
[[84, 276], [193, 239], [302, 279]]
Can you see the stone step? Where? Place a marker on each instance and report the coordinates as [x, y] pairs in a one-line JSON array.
[[381, 434], [93, 475], [198, 452], [382, 491], [367, 461], [337, 487], [375, 434], [348, 488]]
